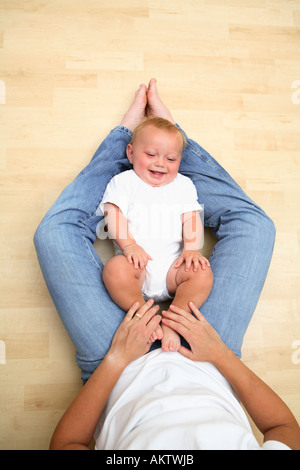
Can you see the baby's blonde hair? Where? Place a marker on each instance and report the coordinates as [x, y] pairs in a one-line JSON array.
[[159, 123]]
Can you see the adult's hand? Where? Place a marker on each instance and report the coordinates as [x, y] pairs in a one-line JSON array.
[[132, 339], [270, 414], [205, 343]]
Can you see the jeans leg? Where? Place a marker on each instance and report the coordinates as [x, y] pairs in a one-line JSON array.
[[242, 254], [69, 263]]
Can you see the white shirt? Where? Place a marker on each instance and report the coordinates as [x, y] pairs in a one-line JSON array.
[[153, 213], [166, 401]]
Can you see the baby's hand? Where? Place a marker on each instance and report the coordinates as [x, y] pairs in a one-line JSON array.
[[136, 255], [192, 257]]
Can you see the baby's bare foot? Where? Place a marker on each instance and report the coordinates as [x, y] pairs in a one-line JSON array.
[[155, 107], [157, 334], [137, 111], [171, 340]]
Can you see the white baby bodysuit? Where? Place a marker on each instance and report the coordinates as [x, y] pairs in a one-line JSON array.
[[154, 220]]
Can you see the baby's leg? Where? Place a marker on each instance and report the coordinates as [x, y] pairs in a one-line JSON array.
[[188, 286], [123, 282]]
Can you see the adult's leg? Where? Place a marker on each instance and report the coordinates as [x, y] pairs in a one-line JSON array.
[[245, 234], [64, 244], [70, 265], [242, 254]]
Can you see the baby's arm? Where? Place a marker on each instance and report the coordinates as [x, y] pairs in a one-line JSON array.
[[193, 233], [119, 231]]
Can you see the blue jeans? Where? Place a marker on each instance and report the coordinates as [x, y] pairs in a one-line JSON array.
[[73, 271]]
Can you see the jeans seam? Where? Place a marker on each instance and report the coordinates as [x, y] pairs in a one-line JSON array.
[[200, 154], [82, 230], [208, 161], [123, 129]]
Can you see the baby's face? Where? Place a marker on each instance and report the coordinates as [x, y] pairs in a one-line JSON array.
[[155, 155]]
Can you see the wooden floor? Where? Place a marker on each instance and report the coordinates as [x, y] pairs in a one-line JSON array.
[[229, 70]]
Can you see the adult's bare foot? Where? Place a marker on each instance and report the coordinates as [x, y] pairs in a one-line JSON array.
[[137, 111], [155, 107]]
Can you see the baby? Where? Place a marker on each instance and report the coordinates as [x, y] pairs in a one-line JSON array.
[[152, 215]]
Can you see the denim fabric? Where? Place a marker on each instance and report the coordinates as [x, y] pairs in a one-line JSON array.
[[73, 271]]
